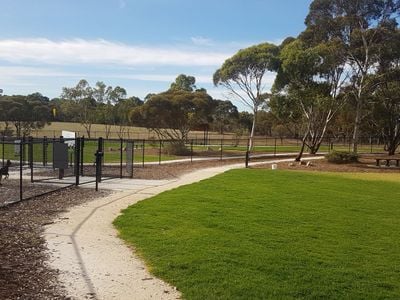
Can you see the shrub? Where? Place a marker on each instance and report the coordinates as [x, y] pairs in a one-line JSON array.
[[339, 157], [176, 148]]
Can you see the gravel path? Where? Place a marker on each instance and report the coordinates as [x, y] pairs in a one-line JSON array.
[[24, 269]]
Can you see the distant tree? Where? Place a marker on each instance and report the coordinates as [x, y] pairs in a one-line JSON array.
[[184, 83], [225, 116], [243, 76], [265, 122], [122, 111], [83, 96], [26, 113], [246, 120], [173, 114]]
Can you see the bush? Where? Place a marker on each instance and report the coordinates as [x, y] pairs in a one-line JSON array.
[[176, 148], [338, 157]]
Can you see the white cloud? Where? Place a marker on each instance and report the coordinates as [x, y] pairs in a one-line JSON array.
[[79, 51], [201, 41], [17, 71]]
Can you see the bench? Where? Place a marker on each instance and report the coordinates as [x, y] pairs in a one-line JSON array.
[[388, 160]]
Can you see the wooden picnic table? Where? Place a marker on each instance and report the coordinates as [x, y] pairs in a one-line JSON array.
[[387, 160]]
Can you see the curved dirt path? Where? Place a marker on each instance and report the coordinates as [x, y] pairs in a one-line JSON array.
[[93, 262]]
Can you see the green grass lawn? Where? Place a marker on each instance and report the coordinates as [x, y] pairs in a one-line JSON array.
[[262, 234], [110, 156]]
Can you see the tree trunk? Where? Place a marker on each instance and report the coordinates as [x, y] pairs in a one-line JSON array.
[[303, 144], [357, 123], [252, 130]]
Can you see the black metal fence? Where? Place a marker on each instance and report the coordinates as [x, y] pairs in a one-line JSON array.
[[43, 165]]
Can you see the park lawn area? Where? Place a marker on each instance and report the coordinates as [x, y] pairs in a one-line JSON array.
[[262, 234], [89, 151]]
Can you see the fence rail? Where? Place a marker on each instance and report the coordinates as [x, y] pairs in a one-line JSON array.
[[35, 166]]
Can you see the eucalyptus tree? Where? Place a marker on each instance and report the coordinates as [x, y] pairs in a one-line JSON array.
[[225, 116], [26, 113], [82, 97], [184, 83], [359, 26], [309, 82], [386, 97], [243, 75], [172, 114]]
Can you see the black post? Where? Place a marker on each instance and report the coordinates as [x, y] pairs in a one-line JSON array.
[[159, 153], [54, 140], [44, 151], [275, 148], [77, 158], [21, 148], [30, 155], [3, 151], [220, 154], [191, 151], [143, 153], [247, 158], [121, 157], [100, 154], [133, 157], [60, 171], [82, 156]]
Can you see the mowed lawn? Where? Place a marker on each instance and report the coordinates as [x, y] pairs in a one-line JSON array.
[[262, 234]]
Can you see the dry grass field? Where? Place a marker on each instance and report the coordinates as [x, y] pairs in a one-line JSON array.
[[98, 130]]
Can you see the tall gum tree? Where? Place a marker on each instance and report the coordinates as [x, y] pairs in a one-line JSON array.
[[243, 76], [309, 81], [359, 26]]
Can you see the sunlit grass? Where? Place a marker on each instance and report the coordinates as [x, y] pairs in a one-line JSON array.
[[262, 234]]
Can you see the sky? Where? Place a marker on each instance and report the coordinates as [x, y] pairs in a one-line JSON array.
[[140, 45]]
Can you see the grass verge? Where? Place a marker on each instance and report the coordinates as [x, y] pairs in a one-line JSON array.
[[256, 234]]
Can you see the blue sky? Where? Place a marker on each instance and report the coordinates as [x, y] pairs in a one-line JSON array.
[[141, 45]]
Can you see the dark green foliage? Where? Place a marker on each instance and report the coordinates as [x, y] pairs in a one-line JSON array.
[[339, 157], [26, 113]]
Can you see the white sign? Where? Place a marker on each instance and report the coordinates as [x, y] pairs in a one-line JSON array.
[[69, 135], [17, 147]]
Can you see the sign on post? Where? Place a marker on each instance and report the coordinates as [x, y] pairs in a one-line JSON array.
[[17, 147], [69, 137], [60, 155]]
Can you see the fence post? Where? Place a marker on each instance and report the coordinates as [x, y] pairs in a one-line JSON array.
[[159, 153], [133, 157], [2, 139], [82, 156], [144, 141], [21, 148], [275, 148], [60, 171], [77, 159], [100, 157], [221, 149], [121, 157], [191, 151], [44, 151], [30, 155], [247, 158]]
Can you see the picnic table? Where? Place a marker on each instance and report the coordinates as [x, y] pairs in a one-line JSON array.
[[387, 160]]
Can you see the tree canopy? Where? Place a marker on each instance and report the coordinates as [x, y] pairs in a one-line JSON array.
[[243, 76]]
